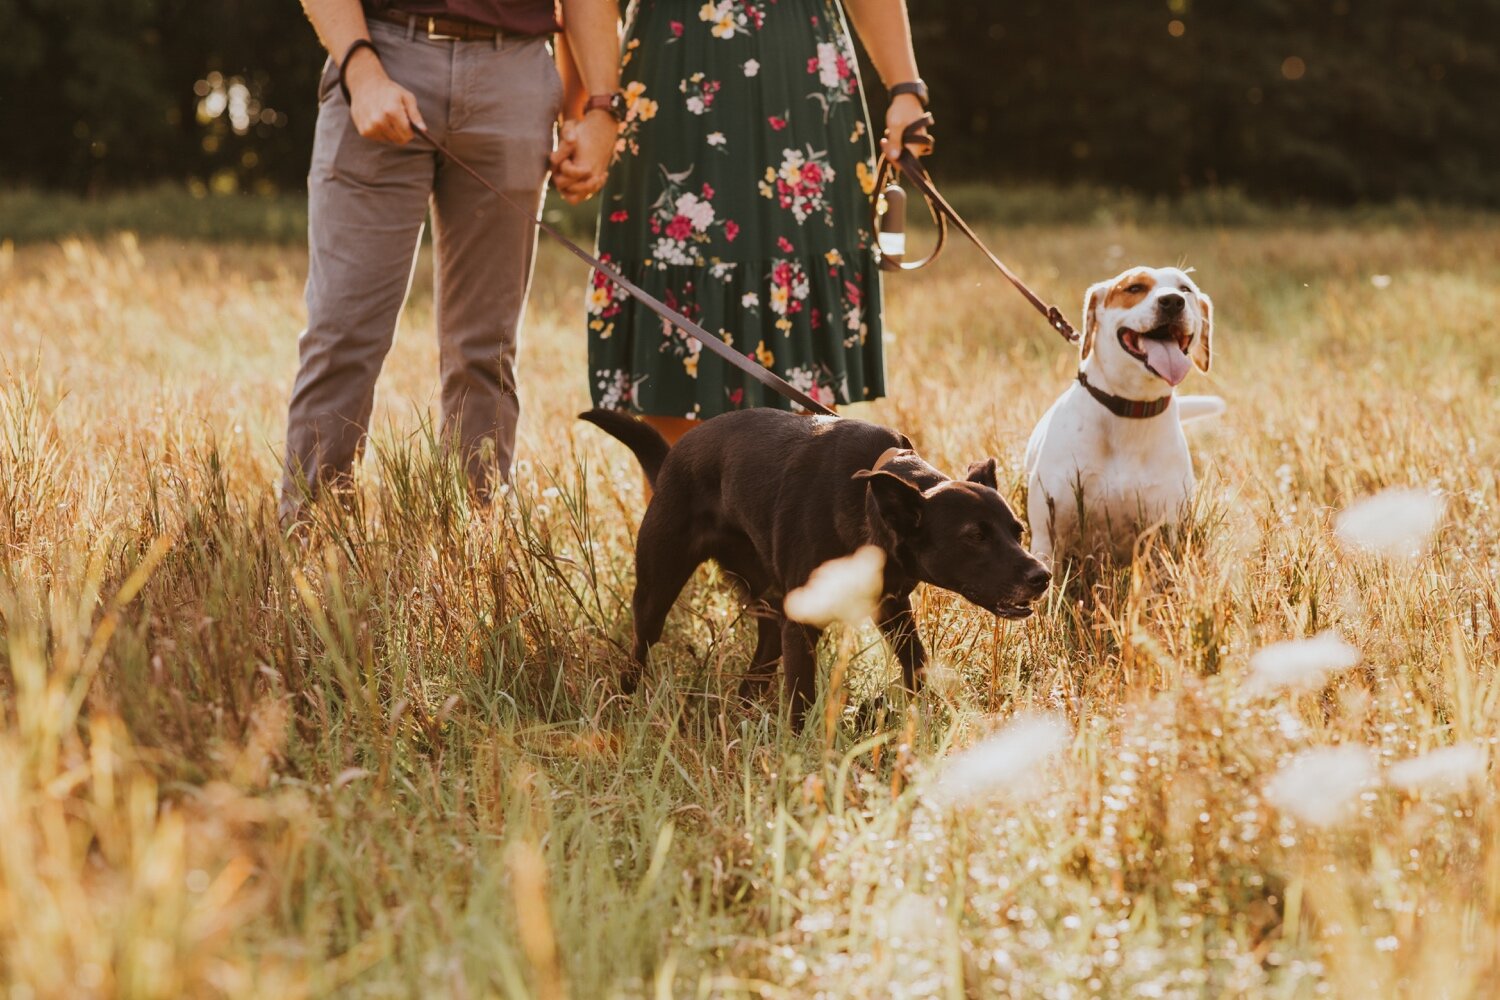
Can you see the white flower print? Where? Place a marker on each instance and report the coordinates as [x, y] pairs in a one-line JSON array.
[[752, 67]]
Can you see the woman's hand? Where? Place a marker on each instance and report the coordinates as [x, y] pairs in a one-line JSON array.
[[580, 164], [904, 109]]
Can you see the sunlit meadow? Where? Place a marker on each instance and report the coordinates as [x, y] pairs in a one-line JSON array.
[[391, 760]]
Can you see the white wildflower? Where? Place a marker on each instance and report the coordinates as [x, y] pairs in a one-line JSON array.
[[1009, 761], [1301, 663], [1398, 522], [1447, 769], [1380, 280], [844, 590], [1318, 786]]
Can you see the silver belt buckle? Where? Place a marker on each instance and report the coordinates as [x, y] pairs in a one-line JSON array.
[[433, 36]]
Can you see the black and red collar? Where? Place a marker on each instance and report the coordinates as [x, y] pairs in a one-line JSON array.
[[1134, 409]]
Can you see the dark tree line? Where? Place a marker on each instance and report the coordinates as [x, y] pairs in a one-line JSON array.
[[1336, 100]]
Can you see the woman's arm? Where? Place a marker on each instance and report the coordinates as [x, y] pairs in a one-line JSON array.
[[883, 27], [581, 163]]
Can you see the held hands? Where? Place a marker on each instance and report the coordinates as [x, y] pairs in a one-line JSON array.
[[382, 109], [580, 163], [904, 110]]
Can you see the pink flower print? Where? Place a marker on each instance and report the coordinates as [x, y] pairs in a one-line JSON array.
[[680, 228], [708, 191], [737, 396], [676, 29], [731, 230], [619, 215], [786, 247], [776, 122]]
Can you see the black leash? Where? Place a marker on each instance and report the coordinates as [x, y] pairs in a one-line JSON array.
[[761, 374], [943, 213]]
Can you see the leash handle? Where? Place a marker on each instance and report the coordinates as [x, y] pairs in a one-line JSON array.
[[886, 191], [715, 345], [911, 167]]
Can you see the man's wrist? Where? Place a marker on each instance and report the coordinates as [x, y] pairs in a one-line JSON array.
[[363, 65]]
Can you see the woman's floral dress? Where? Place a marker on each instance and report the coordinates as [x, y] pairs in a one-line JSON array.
[[741, 196]]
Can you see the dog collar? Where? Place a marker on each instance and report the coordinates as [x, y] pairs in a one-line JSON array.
[[1134, 409]]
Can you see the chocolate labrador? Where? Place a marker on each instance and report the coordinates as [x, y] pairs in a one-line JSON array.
[[771, 496]]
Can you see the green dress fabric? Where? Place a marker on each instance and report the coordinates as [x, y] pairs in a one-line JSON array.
[[740, 195]]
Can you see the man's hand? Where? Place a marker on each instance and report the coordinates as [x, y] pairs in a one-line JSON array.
[[382, 109], [904, 110], [580, 165]]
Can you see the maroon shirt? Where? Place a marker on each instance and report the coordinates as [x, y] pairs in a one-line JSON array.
[[517, 17]]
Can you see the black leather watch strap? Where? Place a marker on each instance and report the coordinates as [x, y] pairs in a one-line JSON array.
[[916, 88]]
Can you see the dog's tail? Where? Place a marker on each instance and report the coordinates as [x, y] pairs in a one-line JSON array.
[[640, 437], [1198, 407]]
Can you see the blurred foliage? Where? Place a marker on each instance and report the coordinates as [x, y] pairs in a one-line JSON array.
[[1338, 101]]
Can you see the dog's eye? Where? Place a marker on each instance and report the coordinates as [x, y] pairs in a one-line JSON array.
[[975, 533], [1135, 289]]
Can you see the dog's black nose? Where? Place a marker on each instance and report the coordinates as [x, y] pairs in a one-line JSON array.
[[1038, 577], [1170, 303]]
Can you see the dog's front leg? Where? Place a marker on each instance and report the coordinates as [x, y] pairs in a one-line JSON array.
[[799, 658], [899, 626], [768, 625]]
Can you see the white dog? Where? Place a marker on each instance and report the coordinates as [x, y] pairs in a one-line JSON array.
[[1109, 458]]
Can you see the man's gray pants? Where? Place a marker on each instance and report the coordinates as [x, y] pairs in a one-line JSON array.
[[493, 104]]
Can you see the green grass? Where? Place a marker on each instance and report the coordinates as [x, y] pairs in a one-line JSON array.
[[171, 212], [390, 759]]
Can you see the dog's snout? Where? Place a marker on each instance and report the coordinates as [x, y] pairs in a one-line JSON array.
[[1170, 303], [1038, 577]]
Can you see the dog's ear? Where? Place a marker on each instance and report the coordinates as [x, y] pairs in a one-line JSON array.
[[984, 473], [1202, 346], [899, 501], [1093, 299]]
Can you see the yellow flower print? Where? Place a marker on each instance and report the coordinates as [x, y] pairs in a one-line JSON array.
[[779, 295], [858, 133], [866, 177], [763, 355], [833, 257]]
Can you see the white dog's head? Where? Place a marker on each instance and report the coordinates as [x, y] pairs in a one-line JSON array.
[[1144, 325]]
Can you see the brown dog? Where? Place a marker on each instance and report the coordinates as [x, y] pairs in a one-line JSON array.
[[771, 496]]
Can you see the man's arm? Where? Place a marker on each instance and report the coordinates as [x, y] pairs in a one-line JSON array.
[[883, 27], [382, 109], [593, 37]]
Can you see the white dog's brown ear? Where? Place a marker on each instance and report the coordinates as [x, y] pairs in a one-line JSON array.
[[1093, 299], [1202, 348]]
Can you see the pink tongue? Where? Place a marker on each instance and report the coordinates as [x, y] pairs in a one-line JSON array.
[[1166, 359]]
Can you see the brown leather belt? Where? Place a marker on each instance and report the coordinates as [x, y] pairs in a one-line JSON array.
[[439, 29]]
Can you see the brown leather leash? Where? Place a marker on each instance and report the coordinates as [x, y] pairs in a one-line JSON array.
[[943, 213], [715, 345]]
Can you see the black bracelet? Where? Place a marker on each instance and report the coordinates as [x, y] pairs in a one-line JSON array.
[[359, 43]]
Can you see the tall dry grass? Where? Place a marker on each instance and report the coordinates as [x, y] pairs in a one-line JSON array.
[[391, 760]]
